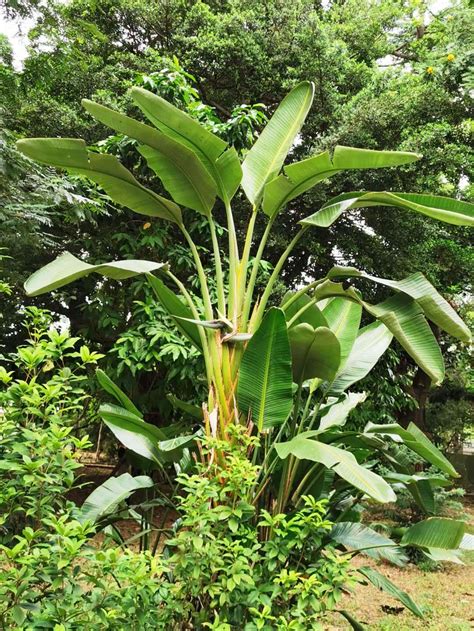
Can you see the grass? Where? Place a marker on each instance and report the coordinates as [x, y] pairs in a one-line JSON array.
[[446, 594]]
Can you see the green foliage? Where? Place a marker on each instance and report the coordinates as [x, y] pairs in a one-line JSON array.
[[40, 406], [256, 571], [263, 572], [37, 468]]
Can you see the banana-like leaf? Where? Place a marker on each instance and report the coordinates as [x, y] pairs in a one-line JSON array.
[[415, 440], [334, 413], [371, 343], [435, 307], [222, 165], [382, 583], [355, 624], [181, 314], [301, 176], [342, 462], [343, 317], [311, 315], [357, 537], [467, 542], [133, 432], [109, 386], [106, 498], [314, 352], [66, 268], [183, 175], [228, 173], [422, 493], [404, 317], [437, 555], [192, 410], [141, 437], [435, 532], [442, 208], [264, 387], [265, 159], [105, 170]]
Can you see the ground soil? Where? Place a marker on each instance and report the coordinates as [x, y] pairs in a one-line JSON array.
[[446, 594]]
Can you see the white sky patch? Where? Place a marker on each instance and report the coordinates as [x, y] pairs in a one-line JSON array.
[[17, 33]]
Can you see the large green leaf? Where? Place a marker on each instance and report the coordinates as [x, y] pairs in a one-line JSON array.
[[342, 462], [343, 317], [371, 343], [357, 537], [301, 176], [314, 352], [264, 387], [133, 432], [181, 314], [404, 317], [435, 532], [435, 307], [442, 208], [66, 268], [182, 173], [188, 408], [222, 165], [265, 159], [310, 313], [104, 170], [382, 583], [109, 386], [141, 437], [334, 413], [416, 440], [106, 498]]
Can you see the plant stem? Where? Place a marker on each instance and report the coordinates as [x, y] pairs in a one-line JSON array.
[[218, 266], [194, 311], [242, 271], [201, 273], [273, 278], [300, 292], [233, 264], [254, 274]]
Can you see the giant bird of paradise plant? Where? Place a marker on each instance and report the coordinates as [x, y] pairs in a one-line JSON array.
[[283, 371]]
